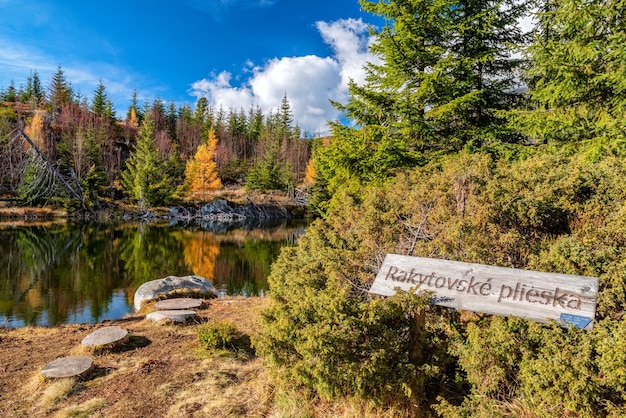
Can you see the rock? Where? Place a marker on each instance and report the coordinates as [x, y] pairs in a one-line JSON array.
[[171, 316], [105, 336], [67, 367], [172, 285], [178, 304], [215, 207]]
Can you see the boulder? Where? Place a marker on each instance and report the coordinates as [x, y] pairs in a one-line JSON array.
[[172, 285]]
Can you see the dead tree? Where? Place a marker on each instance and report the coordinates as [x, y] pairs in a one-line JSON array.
[[45, 176]]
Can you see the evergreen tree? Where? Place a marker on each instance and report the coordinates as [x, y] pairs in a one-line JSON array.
[[109, 110], [145, 179], [38, 94], [446, 71], [255, 124], [270, 172], [285, 122], [59, 91], [171, 120], [100, 100], [94, 180], [33, 92], [10, 94], [134, 114], [202, 107], [576, 76]]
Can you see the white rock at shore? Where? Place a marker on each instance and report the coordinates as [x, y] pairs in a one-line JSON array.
[[172, 285]]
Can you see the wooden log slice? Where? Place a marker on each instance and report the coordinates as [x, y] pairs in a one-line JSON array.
[[178, 304], [171, 315], [112, 336], [67, 367]]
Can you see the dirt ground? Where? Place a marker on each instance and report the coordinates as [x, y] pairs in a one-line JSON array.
[[162, 371]]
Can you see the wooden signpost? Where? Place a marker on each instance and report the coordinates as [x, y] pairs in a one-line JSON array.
[[567, 299]]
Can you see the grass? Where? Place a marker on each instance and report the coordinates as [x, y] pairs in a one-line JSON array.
[[56, 391], [86, 409], [165, 369]]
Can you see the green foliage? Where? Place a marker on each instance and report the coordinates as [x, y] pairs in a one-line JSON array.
[[146, 178], [546, 209], [222, 336], [447, 72], [59, 91], [576, 73], [271, 172], [328, 335], [8, 120]]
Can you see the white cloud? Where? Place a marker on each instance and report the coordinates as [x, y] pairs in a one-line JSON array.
[[350, 45], [309, 81]]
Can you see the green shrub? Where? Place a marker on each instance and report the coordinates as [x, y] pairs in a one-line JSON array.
[[552, 211], [324, 332], [222, 336]]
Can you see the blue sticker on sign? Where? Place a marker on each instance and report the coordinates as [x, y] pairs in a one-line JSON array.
[[575, 320]]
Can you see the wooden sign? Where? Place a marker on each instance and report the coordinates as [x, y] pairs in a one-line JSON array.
[[565, 298]]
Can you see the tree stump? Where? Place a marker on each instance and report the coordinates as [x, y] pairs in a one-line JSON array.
[[67, 367], [105, 337], [178, 304], [179, 316]]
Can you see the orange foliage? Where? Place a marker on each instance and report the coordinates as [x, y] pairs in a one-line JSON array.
[[133, 116], [34, 129], [201, 173], [201, 251], [309, 176]]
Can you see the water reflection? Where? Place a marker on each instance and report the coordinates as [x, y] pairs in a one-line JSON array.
[[80, 272]]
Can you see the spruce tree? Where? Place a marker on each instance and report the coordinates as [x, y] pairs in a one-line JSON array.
[[59, 91], [285, 120], [446, 71], [100, 99], [134, 114], [270, 172], [10, 94], [576, 76], [146, 178]]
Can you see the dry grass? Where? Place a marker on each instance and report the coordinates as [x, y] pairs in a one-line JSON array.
[[55, 391], [162, 371], [89, 408]]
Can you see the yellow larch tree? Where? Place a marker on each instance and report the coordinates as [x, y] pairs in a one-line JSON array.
[[201, 251], [201, 175], [309, 177]]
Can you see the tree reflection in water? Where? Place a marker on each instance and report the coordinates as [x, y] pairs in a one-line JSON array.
[[88, 272]]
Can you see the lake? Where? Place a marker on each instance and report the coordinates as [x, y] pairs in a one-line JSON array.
[[53, 273]]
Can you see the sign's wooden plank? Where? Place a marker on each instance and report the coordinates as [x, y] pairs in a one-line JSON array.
[[539, 296]]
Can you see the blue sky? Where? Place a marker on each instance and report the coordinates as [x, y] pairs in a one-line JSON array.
[[237, 53]]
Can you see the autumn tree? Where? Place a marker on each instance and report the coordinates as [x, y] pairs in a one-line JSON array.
[[201, 174], [134, 114]]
